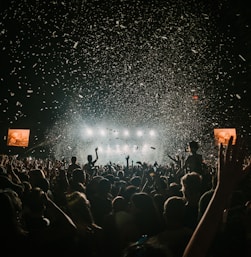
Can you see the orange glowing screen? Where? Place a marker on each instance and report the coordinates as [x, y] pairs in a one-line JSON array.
[[222, 135], [18, 137]]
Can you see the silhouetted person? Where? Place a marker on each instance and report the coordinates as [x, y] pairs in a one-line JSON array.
[[146, 214], [89, 240], [192, 190], [194, 161], [73, 165], [13, 236], [101, 202], [78, 181], [89, 167], [175, 235]]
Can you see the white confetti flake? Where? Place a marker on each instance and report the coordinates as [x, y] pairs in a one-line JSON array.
[[75, 45], [138, 64], [243, 59]]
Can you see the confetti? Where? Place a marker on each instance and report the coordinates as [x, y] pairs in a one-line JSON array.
[[166, 65]]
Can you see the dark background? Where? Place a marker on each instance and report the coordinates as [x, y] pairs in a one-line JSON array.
[[182, 67]]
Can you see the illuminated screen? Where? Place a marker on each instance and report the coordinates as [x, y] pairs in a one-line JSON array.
[[18, 137], [222, 135]]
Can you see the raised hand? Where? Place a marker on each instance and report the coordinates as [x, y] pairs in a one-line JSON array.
[[231, 168]]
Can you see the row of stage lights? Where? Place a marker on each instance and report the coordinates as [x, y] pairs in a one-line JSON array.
[[89, 132], [126, 149]]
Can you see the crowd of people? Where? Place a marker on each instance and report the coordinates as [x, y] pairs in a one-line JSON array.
[[175, 210]]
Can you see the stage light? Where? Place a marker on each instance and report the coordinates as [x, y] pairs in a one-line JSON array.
[[139, 133], [89, 132], [145, 147], [116, 133], [126, 132], [195, 97], [102, 132], [135, 148], [152, 133]]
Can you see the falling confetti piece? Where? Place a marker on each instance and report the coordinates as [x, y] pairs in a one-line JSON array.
[[136, 66], [243, 59], [75, 45]]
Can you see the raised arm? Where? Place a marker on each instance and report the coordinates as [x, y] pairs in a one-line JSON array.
[[61, 223], [230, 173], [96, 153]]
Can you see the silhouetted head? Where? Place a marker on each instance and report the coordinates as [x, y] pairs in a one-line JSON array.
[[194, 146], [89, 157], [78, 175], [73, 159]]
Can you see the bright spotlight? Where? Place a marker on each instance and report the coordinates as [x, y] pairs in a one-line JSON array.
[[135, 148], [102, 132], [145, 147], [139, 133], [126, 132], [152, 133], [116, 133], [89, 132]]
